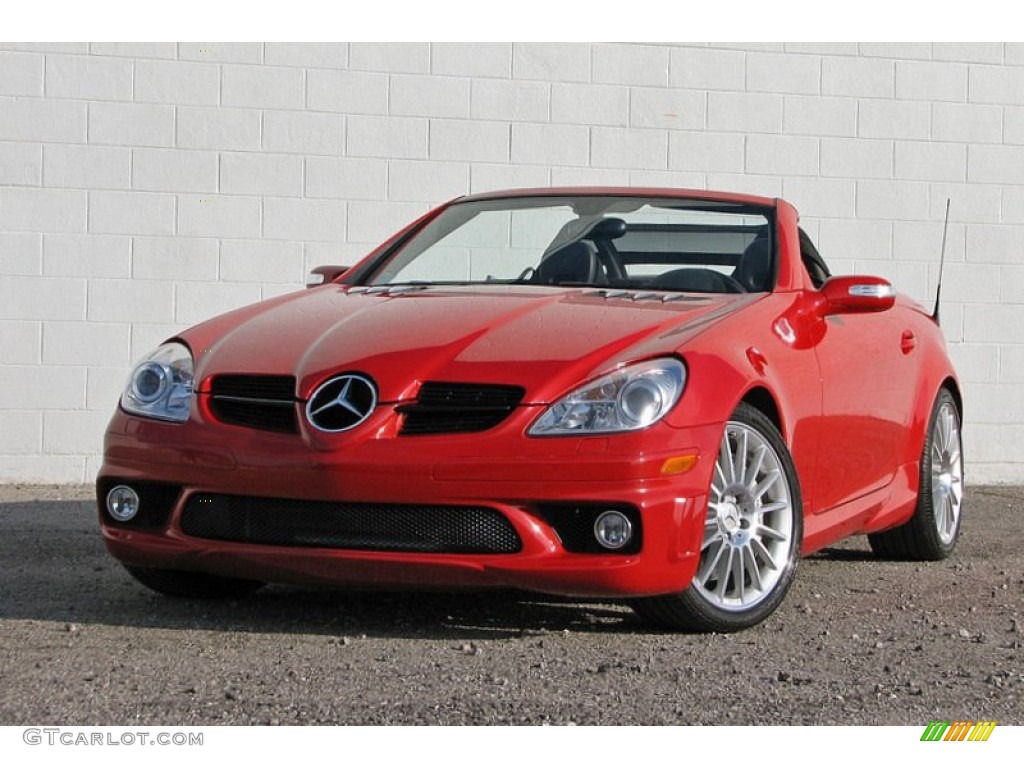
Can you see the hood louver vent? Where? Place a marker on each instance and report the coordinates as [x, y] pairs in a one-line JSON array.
[[657, 296]]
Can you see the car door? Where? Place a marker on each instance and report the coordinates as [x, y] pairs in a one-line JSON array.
[[868, 364]]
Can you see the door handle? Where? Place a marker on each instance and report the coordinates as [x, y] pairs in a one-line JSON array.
[[907, 342]]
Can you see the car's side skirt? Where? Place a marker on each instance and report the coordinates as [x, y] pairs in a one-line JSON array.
[[885, 507]]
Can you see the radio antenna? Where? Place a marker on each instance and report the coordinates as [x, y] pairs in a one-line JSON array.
[[942, 261]]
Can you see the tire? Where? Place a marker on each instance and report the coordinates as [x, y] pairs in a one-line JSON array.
[[189, 584], [932, 532], [754, 524]]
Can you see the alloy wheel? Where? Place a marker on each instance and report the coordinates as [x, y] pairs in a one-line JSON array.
[[748, 531]]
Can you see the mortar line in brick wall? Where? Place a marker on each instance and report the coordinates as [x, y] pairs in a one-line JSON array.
[[387, 189]]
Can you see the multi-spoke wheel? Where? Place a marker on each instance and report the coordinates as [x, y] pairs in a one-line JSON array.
[[932, 532], [752, 534]]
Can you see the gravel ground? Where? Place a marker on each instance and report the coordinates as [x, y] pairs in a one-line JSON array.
[[858, 641]]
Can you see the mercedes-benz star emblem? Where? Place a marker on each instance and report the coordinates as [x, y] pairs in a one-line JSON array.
[[341, 403]]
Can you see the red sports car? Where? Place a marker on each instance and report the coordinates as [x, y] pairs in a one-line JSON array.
[[644, 394]]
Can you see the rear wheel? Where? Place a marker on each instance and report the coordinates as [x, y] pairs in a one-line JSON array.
[[752, 534], [190, 584], [932, 532]]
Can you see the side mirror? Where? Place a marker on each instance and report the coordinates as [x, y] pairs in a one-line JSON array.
[[857, 294], [325, 274]]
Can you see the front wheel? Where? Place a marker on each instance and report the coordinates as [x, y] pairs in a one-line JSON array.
[[932, 532], [752, 534]]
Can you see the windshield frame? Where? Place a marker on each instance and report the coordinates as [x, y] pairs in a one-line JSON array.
[[372, 268]]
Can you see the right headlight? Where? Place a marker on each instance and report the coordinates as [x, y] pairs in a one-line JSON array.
[[161, 386], [633, 397]]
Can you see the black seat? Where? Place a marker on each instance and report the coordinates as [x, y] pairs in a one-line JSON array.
[[575, 262], [754, 270], [692, 280]]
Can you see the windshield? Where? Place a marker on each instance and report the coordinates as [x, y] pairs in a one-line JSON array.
[[616, 242]]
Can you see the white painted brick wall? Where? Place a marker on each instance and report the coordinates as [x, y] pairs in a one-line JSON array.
[[217, 128], [244, 53], [133, 125], [311, 133], [364, 93], [147, 186], [218, 216], [20, 164], [131, 213], [175, 258], [252, 173], [86, 167], [174, 170], [86, 255], [263, 87]]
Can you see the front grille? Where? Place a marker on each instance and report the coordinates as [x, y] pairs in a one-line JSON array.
[[344, 525], [257, 402], [442, 407]]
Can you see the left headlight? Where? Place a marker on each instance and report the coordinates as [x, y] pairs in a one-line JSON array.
[[633, 397], [161, 386]]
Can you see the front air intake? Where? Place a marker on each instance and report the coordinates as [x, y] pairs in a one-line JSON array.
[[445, 408], [350, 525], [257, 402]]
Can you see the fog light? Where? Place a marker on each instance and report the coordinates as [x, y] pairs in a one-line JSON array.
[[122, 503], [613, 529]]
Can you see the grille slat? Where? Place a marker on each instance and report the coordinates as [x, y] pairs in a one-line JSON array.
[[345, 525], [254, 386], [257, 402], [444, 408]]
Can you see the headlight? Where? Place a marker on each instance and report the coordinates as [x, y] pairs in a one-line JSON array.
[[633, 397], [161, 385]]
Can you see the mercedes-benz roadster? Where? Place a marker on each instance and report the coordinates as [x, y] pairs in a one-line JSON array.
[[660, 396]]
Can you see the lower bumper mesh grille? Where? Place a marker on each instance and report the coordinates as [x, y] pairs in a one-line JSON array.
[[363, 526]]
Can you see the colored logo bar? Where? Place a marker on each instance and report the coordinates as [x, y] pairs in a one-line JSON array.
[[958, 730]]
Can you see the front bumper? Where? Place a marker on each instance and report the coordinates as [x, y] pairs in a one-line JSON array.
[[499, 469]]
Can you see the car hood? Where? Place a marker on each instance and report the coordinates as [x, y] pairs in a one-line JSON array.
[[543, 339]]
